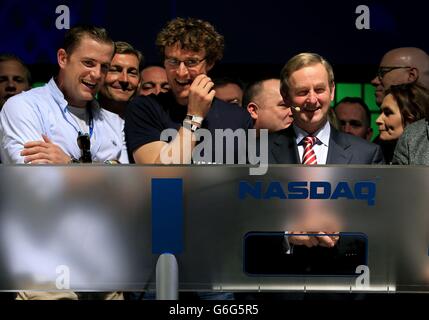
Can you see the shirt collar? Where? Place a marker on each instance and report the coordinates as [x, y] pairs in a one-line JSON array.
[[57, 94], [322, 134], [62, 102]]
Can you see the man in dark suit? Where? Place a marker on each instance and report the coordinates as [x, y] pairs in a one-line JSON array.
[[307, 84], [342, 149]]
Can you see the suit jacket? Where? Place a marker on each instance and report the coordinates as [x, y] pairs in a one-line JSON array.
[[413, 145], [343, 149]]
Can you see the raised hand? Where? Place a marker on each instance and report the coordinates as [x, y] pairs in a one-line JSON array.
[[200, 95]]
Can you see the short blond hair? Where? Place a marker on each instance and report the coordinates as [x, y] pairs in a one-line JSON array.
[[298, 62]]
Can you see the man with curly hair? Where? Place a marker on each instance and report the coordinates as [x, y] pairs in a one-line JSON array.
[[190, 48]]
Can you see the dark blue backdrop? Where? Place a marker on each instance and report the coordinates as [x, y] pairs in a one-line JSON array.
[[262, 32]]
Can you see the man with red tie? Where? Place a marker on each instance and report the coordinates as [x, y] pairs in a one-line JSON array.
[[307, 84]]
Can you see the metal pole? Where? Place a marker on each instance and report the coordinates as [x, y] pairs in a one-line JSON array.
[[167, 277]]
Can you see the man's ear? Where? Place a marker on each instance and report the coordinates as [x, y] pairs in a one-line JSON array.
[[62, 58], [253, 110], [332, 92], [413, 74], [209, 66], [369, 134]]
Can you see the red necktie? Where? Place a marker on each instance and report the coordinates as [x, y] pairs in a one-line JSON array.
[[309, 157]]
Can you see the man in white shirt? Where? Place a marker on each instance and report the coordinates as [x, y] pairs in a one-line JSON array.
[[61, 122]]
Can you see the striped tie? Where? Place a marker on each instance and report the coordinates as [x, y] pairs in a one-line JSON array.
[[309, 157]]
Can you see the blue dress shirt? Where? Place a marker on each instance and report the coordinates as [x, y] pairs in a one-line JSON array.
[[26, 116]]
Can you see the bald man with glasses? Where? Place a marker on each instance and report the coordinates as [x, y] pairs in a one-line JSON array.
[[399, 66]]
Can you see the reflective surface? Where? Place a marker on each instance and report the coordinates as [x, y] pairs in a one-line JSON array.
[[91, 226]]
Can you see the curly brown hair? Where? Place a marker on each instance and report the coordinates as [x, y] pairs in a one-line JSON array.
[[192, 34]]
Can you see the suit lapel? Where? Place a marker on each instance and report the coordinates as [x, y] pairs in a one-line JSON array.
[[337, 151], [284, 148]]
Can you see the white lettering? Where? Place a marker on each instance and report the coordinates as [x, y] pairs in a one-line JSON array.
[[63, 279], [231, 147], [362, 21], [63, 20], [362, 282]]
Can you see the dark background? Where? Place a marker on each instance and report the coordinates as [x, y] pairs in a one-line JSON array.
[[260, 36]]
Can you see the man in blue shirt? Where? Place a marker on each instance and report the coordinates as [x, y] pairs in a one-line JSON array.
[[61, 122]]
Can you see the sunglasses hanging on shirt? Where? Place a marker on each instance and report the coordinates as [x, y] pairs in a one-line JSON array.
[[84, 143]]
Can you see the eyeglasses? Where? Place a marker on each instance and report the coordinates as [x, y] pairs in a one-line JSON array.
[[383, 70], [189, 63], [84, 143]]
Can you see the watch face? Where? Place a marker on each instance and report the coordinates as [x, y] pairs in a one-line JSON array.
[[197, 119], [193, 118]]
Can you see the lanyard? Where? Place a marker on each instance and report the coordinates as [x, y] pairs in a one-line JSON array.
[[91, 121]]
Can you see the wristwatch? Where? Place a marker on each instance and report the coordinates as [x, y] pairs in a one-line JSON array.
[[112, 162], [194, 118], [190, 125], [73, 160], [192, 122]]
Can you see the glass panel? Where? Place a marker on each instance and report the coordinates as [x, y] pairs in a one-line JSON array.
[[93, 224]]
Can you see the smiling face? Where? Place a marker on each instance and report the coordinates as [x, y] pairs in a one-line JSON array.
[[83, 71], [180, 77], [309, 89], [153, 81], [390, 122], [123, 77]]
